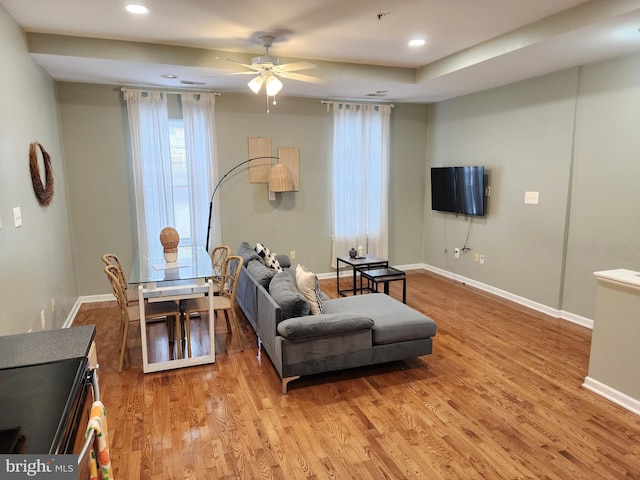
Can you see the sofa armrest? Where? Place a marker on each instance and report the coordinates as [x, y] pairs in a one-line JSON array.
[[322, 325]]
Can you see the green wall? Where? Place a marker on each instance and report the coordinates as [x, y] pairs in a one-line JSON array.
[[95, 132], [523, 135], [37, 258], [604, 227], [573, 137]]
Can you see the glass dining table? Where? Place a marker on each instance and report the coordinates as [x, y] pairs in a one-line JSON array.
[[189, 277]]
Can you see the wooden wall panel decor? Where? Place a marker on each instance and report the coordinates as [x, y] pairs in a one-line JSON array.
[[290, 158], [259, 169]]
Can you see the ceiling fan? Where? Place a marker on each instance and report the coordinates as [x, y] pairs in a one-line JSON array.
[[269, 69]]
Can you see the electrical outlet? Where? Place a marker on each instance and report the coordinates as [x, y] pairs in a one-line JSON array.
[[456, 252], [476, 257], [292, 254], [53, 305], [43, 320], [481, 259], [531, 198]]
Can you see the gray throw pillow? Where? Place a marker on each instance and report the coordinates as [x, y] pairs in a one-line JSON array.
[[261, 273], [247, 253], [284, 292], [321, 325]]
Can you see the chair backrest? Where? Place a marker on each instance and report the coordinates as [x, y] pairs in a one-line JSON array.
[[232, 268], [218, 257], [121, 298], [111, 259]]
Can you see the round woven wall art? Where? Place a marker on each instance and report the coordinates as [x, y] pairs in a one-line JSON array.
[[44, 194]]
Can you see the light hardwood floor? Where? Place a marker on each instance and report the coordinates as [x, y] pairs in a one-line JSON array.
[[499, 398]]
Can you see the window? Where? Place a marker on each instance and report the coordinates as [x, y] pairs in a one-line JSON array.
[[360, 178], [180, 183], [173, 163]]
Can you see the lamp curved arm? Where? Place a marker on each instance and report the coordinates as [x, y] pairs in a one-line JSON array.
[[218, 185]]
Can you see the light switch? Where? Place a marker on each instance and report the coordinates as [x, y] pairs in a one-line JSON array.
[[17, 217], [531, 198]]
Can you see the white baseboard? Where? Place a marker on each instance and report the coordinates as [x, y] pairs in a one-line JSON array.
[[568, 316], [577, 319], [553, 312], [613, 395], [108, 297], [409, 266]]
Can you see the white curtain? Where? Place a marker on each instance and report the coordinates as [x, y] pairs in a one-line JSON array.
[[152, 169], [198, 111], [360, 178], [149, 129]]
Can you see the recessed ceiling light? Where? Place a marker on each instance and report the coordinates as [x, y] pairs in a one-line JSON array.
[[135, 8], [169, 75], [418, 42]]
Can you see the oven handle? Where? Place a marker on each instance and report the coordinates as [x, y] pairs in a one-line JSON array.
[[92, 434]]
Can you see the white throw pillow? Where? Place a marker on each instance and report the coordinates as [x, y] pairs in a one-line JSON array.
[[308, 285]]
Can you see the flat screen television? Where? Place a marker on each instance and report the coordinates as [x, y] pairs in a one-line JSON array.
[[458, 190]]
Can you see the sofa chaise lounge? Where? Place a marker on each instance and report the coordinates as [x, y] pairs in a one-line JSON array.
[[350, 332]]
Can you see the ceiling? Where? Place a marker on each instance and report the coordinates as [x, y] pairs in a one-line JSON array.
[[360, 47]]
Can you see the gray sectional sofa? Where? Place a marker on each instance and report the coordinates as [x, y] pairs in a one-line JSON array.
[[350, 332]]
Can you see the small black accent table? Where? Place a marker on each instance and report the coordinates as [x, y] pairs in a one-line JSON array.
[[357, 264], [384, 276]]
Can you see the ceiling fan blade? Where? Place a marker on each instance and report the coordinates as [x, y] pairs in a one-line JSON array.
[[291, 67], [302, 78], [248, 72], [246, 65]]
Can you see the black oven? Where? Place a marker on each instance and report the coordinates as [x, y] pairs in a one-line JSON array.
[[44, 407]]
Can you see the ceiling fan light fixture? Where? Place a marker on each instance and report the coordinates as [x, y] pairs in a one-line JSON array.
[[256, 84], [273, 86]]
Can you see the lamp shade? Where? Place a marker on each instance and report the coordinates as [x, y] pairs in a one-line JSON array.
[[280, 179], [256, 84], [273, 86]]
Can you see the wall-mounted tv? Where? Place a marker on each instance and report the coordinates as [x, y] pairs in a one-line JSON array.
[[458, 190]]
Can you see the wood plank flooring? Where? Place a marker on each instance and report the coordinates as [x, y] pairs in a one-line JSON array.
[[499, 398]]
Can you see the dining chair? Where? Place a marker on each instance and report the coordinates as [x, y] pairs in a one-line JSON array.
[[225, 301], [218, 257], [131, 295], [129, 313]]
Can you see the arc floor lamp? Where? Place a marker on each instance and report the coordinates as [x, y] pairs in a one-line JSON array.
[[279, 181]]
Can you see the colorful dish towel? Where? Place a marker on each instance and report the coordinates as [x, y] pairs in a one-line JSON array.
[[98, 423]]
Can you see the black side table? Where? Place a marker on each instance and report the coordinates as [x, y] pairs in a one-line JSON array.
[[357, 264], [384, 276]]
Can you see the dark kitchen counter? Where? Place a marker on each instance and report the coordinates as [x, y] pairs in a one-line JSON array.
[[45, 347]]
